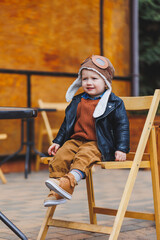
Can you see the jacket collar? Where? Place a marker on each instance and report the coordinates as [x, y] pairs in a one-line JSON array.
[[113, 102]]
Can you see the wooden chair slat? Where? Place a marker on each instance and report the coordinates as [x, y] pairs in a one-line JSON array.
[[46, 128]]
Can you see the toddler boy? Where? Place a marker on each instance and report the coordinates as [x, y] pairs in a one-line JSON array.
[[95, 128]]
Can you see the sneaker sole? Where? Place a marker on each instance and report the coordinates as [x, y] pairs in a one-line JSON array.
[[56, 188], [51, 203]]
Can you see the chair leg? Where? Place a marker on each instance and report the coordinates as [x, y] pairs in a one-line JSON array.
[[2, 177], [39, 149], [158, 150], [45, 225], [155, 179], [91, 199]]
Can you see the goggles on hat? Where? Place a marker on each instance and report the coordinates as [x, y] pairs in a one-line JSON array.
[[99, 61]]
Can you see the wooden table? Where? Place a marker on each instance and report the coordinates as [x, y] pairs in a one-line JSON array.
[[25, 114], [17, 113]]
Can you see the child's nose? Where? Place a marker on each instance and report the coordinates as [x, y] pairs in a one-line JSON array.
[[89, 81]]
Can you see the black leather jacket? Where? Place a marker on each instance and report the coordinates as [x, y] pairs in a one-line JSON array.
[[112, 128]]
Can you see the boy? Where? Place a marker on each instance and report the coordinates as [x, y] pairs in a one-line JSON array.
[[95, 128]]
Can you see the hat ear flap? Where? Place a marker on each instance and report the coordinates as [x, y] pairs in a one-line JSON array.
[[73, 88], [102, 104]]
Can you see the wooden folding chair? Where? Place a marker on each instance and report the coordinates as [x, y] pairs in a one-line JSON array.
[[134, 161], [45, 127], [2, 177]]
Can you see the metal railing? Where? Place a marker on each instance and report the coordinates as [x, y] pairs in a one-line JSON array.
[[30, 73]]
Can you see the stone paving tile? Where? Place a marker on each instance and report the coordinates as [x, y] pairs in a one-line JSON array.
[[21, 200]]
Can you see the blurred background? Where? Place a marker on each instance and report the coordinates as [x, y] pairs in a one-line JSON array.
[[48, 36], [149, 45]]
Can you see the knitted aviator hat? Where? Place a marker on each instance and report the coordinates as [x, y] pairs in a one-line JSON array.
[[105, 69]]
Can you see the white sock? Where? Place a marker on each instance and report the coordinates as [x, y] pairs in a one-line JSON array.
[[77, 174]]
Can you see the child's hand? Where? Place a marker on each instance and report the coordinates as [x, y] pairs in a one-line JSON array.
[[120, 156], [53, 149]]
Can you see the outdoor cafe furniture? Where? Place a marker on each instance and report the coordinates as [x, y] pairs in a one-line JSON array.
[[17, 113], [25, 114], [134, 162]]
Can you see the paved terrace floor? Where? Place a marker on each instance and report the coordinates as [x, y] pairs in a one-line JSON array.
[[21, 200]]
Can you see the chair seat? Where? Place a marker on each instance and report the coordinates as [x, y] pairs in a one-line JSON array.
[[145, 163], [125, 164]]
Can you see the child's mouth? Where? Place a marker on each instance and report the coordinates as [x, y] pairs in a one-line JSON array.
[[89, 89]]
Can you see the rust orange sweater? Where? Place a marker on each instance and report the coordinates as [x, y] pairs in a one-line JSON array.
[[85, 124]]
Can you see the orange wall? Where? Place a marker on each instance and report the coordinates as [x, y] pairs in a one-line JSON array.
[[49, 35]]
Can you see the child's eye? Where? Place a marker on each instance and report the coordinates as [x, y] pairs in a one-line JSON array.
[[83, 79]]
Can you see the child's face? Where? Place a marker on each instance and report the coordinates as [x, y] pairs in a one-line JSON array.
[[92, 83]]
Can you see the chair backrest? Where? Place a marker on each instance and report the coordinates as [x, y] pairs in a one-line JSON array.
[[144, 103], [149, 103], [137, 103], [50, 105]]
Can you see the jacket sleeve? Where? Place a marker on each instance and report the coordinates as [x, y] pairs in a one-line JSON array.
[[121, 129], [60, 138]]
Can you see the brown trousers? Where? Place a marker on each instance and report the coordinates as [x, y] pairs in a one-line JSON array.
[[74, 154]]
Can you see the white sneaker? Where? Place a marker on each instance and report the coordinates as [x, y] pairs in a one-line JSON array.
[[54, 199]]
